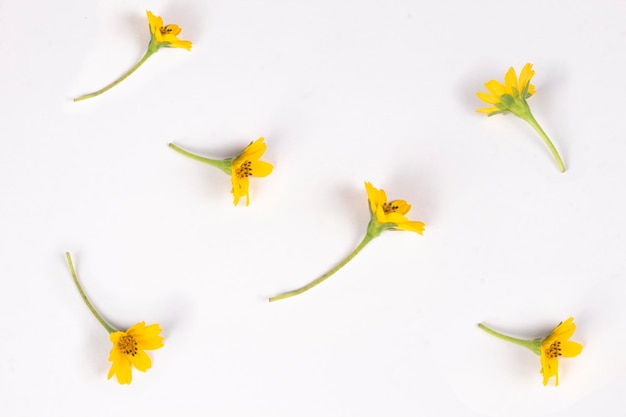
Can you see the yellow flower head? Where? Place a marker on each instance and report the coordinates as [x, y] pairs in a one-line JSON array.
[[391, 213], [503, 97], [129, 350], [166, 36], [557, 344], [247, 164]]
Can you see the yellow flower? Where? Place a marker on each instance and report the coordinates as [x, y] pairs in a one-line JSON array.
[[557, 344], [247, 164], [129, 346], [391, 213], [548, 348], [512, 87], [129, 350], [166, 36], [160, 36], [510, 97], [384, 215], [244, 165]]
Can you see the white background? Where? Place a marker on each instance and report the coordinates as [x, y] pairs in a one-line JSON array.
[[343, 92]]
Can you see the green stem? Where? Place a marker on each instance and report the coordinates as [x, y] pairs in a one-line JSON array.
[[533, 122], [529, 344], [149, 52], [223, 164], [312, 284], [85, 299]]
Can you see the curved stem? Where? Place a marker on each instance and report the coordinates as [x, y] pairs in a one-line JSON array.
[[533, 122], [223, 164], [85, 299], [321, 279], [529, 344], [147, 55]]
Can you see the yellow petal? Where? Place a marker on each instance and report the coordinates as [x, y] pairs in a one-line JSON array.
[[177, 43], [488, 98], [253, 152], [382, 196], [120, 367], [136, 328], [417, 227], [381, 217], [495, 87], [525, 75], [141, 361], [155, 23], [240, 188], [257, 144], [373, 196], [571, 349], [563, 331], [487, 110], [261, 169], [115, 336], [549, 368], [147, 337], [510, 80]]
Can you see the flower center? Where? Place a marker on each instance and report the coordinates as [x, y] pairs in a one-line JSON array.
[[128, 345], [244, 170], [554, 350], [390, 208], [167, 30]]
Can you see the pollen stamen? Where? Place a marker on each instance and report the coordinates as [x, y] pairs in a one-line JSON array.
[[244, 170], [127, 345], [166, 30], [554, 350], [390, 208]]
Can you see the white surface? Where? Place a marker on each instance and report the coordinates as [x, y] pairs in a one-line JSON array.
[[343, 91]]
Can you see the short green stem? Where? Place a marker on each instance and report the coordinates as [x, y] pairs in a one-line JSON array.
[[533, 122], [147, 55], [321, 279], [223, 164], [533, 345], [103, 322]]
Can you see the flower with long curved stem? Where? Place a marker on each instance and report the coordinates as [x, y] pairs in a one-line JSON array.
[[384, 215], [128, 346], [160, 37], [510, 97], [246, 164], [549, 348]]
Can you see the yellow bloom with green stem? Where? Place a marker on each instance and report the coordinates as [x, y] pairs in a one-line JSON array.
[[384, 215], [161, 36], [128, 346], [510, 97], [240, 168], [549, 348]]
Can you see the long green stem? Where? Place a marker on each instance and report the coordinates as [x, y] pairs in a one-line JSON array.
[[529, 344], [149, 52], [223, 164], [84, 296], [321, 279], [533, 122]]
